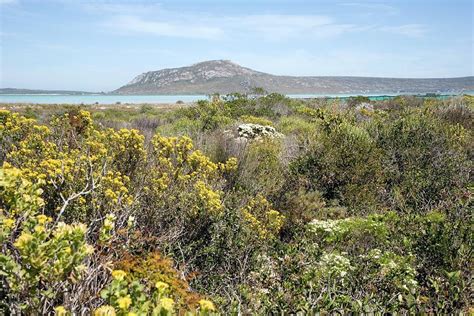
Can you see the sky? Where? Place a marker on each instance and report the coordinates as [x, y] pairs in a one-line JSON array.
[[100, 45]]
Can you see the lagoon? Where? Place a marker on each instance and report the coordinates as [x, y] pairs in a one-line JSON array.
[[153, 99], [96, 98]]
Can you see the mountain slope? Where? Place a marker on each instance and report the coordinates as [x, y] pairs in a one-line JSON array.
[[223, 76]]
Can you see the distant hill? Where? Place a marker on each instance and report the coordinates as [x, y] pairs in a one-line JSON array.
[[34, 91], [224, 76]]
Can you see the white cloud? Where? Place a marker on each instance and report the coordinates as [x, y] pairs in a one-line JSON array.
[[153, 19], [410, 30], [134, 24], [372, 7], [278, 27], [267, 26]]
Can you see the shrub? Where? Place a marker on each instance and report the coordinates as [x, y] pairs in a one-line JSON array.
[[344, 165], [424, 160], [40, 259], [352, 211], [256, 120]]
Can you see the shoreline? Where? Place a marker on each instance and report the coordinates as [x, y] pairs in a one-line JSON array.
[[100, 106], [180, 103]]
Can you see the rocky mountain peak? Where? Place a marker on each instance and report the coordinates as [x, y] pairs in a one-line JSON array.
[[225, 76], [198, 72]]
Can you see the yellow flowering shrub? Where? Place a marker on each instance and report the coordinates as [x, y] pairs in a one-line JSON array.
[[79, 164], [19, 195], [185, 179], [53, 177], [159, 273], [127, 150], [208, 199], [94, 169], [107, 228], [39, 257], [124, 296], [262, 218], [51, 258], [117, 188], [73, 125], [14, 128]]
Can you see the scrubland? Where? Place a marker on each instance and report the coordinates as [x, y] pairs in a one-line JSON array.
[[354, 206]]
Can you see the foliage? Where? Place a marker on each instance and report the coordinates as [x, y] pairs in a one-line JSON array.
[[353, 101], [39, 259], [148, 211], [263, 220]]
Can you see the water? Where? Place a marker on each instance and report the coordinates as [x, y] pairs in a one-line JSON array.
[[99, 98], [155, 99]]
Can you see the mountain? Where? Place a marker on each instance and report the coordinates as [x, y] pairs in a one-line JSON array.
[[35, 91], [224, 76]]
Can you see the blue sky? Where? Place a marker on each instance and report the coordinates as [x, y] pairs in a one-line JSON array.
[[99, 45]]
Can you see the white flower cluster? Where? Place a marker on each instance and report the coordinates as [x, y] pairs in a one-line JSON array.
[[252, 131], [342, 226], [394, 268], [328, 226], [403, 275], [335, 265]]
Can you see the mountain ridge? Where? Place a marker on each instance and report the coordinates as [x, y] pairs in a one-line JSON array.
[[225, 76]]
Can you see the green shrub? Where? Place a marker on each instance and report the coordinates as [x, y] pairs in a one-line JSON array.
[[349, 212], [345, 165]]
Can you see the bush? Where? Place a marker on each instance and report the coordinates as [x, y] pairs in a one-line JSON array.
[[73, 172], [424, 160], [364, 211], [344, 165]]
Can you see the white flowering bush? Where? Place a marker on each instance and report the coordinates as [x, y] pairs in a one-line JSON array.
[[334, 265], [366, 232], [255, 131]]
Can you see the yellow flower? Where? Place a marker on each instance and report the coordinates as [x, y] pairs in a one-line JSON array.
[[161, 286], [105, 310], [118, 274], [8, 222], [131, 314], [124, 302], [207, 305], [110, 194], [23, 240], [89, 249], [42, 219], [39, 229], [167, 303], [60, 311]]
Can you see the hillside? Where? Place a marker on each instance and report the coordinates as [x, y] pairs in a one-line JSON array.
[[223, 76]]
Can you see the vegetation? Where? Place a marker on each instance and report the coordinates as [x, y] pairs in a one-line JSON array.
[[360, 207]]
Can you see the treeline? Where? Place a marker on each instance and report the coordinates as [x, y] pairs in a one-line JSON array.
[[240, 204]]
